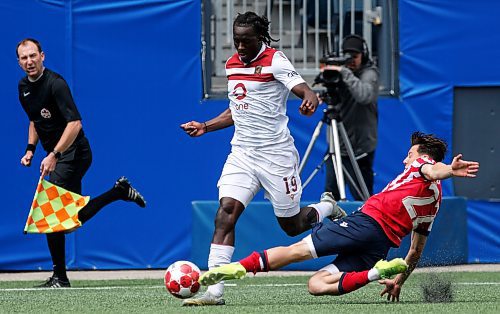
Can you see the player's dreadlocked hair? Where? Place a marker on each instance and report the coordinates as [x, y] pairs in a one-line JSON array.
[[260, 25], [430, 145]]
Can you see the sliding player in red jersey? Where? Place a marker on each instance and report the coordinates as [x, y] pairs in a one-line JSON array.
[[408, 204]]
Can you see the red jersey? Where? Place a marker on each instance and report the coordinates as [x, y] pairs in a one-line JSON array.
[[409, 202]]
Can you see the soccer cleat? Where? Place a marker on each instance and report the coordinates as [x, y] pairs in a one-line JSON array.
[[205, 299], [337, 212], [224, 272], [54, 282], [387, 269], [130, 194]]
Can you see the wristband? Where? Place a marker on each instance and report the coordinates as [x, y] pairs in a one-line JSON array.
[[56, 154], [205, 128], [31, 147]]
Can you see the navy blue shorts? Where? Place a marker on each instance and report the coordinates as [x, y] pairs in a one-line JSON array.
[[358, 240]]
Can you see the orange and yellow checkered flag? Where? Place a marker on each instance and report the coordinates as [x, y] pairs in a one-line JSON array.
[[54, 209]]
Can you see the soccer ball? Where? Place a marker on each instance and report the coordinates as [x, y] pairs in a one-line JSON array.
[[181, 279]]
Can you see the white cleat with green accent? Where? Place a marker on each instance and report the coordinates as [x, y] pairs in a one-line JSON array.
[[224, 272], [203, 300], [387, 269]]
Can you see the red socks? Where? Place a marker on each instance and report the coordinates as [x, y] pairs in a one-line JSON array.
[[252, 263], [353, 281]]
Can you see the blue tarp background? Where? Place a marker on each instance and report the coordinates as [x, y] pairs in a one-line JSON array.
[[135, 71]]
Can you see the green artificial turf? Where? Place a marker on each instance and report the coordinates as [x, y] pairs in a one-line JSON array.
[[472, 293]]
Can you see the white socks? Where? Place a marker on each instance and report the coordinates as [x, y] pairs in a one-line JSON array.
[[219, 255], [324, 209], [373, 274]]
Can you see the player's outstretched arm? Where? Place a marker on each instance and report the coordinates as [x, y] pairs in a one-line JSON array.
[[457, 168], [309, 99], [195, 128], [462, 168], [393, 286]]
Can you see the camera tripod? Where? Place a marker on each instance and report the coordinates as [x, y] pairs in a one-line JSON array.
[[334, 125]]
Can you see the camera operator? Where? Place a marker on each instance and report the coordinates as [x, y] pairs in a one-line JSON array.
[[357, 91]]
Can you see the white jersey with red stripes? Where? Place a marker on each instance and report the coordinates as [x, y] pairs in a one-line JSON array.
[[258, 92], [409, 202]]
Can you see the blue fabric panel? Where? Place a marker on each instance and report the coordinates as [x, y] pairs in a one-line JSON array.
[[437, 37], [134, 68], [46, 21], [257, 229], [137, 79], [436, 40], [483, 230]]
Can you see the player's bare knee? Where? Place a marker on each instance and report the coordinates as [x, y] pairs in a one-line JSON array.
[[227, 214], [299, 251], [322, 283]]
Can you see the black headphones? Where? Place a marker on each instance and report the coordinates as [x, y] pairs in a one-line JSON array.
[[365, 53]]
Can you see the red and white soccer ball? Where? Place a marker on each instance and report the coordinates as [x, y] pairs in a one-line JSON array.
[[181, 279]]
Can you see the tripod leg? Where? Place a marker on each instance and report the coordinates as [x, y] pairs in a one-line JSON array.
[[314, 137], [351, 180], [337, 161], [365, 194], [318, 167]]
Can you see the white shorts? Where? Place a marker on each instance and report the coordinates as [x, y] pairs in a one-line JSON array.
[[247, 171]]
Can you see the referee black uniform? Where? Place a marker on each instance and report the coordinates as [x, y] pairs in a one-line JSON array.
[[47, 100], [50, 106]]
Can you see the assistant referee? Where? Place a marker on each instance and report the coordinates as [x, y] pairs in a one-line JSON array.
[[56, 122]]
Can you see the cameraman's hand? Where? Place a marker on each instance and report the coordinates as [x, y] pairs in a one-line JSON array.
[[320, 99], [333, 68]]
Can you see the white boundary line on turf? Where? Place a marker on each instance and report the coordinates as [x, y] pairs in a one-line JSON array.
[[158, 273], [83, 288], [228, 285]]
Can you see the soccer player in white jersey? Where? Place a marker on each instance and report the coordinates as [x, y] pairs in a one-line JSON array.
[[263, 154], [406, 205]]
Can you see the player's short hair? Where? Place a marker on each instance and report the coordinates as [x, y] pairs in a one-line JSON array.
[[430, 145], [260, 25], [26, 40]]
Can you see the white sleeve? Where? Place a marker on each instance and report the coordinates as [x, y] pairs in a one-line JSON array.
[[284, 71]]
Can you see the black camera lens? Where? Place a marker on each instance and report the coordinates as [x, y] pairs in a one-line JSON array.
[[331, 76]]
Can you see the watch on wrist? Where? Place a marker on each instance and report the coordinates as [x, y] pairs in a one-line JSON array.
[[56, 154]]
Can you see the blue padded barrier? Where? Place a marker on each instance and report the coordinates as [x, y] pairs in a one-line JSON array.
[[258, 229], [484, 235]]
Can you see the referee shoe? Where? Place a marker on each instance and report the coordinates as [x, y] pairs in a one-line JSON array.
[[129, 193], [54, 282]]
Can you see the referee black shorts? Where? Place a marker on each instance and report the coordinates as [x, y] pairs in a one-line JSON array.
[[72, 166]]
